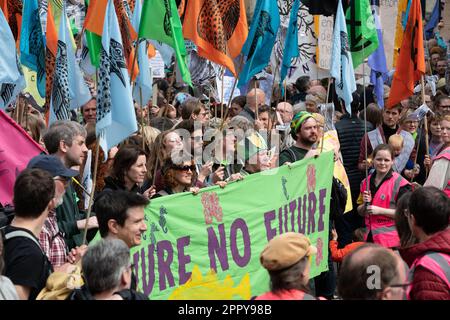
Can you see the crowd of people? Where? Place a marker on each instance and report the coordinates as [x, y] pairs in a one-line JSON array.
[[394, 244]]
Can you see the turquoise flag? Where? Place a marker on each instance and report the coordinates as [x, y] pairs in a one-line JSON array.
[[290, 43], [69, 91], [261, 39], [12, 80], [341, 61], [142, 90], [32, 46], [116, 119]]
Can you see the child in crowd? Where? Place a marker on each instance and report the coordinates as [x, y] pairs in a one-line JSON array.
[[338, 254]]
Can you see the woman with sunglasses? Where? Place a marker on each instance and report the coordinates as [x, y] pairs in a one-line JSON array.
[[379, 194], [177, 177]]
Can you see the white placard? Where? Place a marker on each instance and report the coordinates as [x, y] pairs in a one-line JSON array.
[[325, 41], [228, 84], [157, 66]]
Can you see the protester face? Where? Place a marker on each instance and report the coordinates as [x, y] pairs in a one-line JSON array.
[[434, 59], [441, 66], [410, 126], [133, 228], [259, 162], [382, 162], [445, 131], [235, 110], [285, 111], [172, 112], [444, 107], [61, 184], [90, 112], [391, 117], [137, 171], [76, 152], [203, 116], [308, 132], [183, 173], [229, 144], [397, 290], [172, 141], [264, 118], [311, 106], [435, 128], [154, 109], [428, 101], [196, 140]]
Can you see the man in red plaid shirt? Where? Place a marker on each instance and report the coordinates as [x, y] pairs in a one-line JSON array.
[[51, 239]]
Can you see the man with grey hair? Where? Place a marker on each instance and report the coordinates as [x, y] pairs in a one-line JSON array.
[[107, 273], [66, 140], [255, 99]]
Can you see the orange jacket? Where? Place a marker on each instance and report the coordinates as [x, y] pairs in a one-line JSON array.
[[338, 254]]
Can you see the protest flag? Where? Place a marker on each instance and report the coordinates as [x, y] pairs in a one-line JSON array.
[[116, 119], [433, 21], [68, 89], [16, 149], [341, 61], [160, 22], [142, 90], [32, 50], [93, 24], [363, 38], [377, 64], [12, 9], [411, 63], [12, 81], [50, 56], [291, 42], [218, 28], [262, 36]]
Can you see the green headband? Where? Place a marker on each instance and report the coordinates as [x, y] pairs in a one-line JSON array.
[[298, 119]]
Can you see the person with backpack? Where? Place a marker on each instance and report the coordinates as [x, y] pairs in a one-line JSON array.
[[26, 264], [429, 260]]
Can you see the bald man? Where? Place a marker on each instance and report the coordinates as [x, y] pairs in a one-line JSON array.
[[285, 110], [382, 274], [255, 99]]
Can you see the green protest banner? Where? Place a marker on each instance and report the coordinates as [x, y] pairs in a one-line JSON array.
[[207, 246]]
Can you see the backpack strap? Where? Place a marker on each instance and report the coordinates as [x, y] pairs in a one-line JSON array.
[[292, 154], [21, 233]]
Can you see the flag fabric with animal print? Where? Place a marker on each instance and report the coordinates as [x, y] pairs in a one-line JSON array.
[[160, 21], [32, 48], [218, 28], [261, 39], [142, 90], [68, 89], [12, 80], [341, 61], [116, 119]]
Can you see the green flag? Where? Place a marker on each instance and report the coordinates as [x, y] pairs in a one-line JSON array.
[[362, 33], [160, 21], [94, 43]]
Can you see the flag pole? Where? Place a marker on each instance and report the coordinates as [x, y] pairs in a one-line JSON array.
[[222, 95], [142, 118], [425, 123], [256, 100], [91, 197], [365, 118]]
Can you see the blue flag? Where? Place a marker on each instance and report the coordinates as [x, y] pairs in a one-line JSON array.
[[12, 80], [291, 42], [377, 64], [261, 39], [32, 46], [142, 90], [116, 119], [341, 60], [433, 21], [69, 91]]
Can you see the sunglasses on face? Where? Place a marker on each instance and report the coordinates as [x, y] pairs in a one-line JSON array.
[[184, 168]]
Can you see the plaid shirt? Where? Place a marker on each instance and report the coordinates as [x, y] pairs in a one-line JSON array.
[[52, 241]]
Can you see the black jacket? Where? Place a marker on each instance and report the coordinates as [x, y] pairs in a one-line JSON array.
[[350, 131]]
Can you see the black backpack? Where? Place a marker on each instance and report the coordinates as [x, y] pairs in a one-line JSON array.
[[338, 198]]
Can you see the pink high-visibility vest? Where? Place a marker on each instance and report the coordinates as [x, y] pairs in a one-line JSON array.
[[383, 227], [437, 263], [286, 295]]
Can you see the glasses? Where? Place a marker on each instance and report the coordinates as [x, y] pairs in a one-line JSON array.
[[184, 168]]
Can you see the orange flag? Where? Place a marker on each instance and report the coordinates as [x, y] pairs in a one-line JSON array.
[[95, 16], [12, 9], [50, 58], [411, 61], [218, 28]]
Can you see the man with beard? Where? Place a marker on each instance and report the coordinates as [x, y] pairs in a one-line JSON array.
[[67, 141], [51, 239], [304, 132]]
